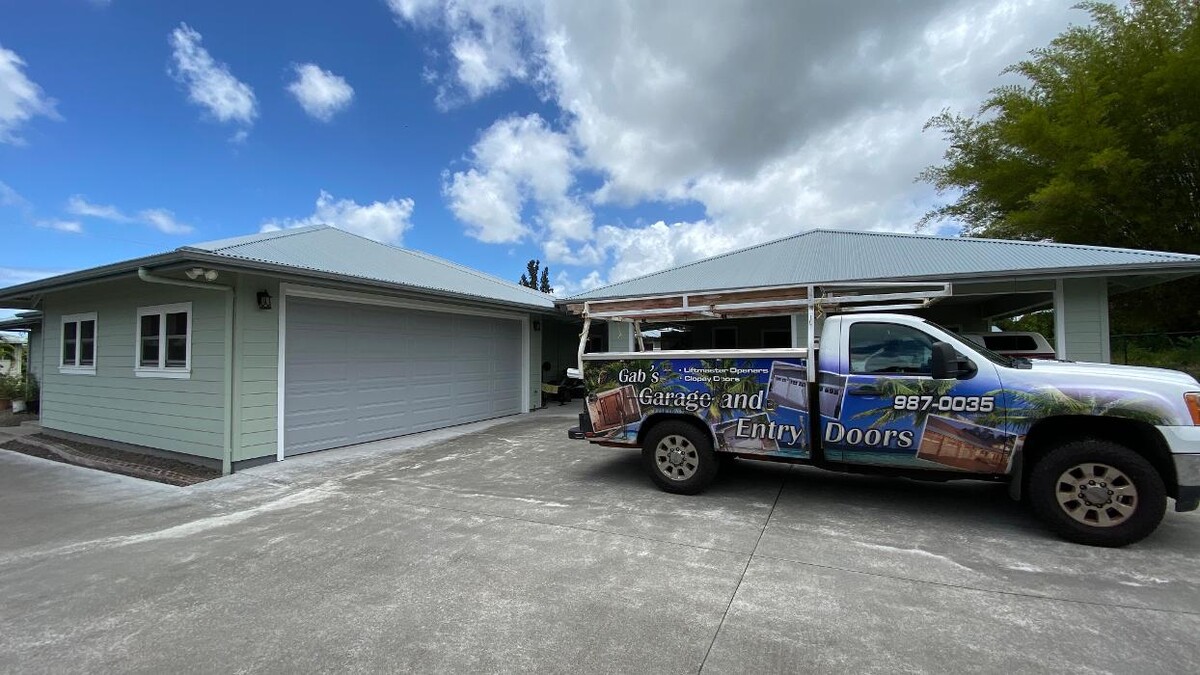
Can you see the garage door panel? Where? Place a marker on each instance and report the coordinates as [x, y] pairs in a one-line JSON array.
[[356, 373]]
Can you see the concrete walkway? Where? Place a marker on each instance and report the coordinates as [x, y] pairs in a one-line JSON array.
[[505, 547]]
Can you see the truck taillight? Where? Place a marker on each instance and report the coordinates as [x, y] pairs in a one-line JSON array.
[[1193, 406]]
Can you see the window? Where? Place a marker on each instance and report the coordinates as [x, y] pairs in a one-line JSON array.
[[885, 348], [725, 337], [164, 341], [78, 344]]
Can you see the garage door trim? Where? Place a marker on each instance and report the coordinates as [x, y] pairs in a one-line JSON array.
[[317, 293]]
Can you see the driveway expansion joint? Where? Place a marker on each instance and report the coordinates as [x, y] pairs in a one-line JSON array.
[[746, 568]]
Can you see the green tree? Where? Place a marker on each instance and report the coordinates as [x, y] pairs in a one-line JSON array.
[[1099, 143], [889, 388], [530, 278], [1027, 407], [1037, 322], [545, 286]]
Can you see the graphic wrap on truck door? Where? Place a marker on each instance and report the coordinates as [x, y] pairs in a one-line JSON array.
[[752, 405], [893, 413]]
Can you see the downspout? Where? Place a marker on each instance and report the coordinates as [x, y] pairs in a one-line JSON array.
[[145, 275]]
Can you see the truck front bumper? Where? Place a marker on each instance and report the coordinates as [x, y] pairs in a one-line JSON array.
[[1184, 443]]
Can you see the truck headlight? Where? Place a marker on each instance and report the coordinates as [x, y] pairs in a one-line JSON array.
[[1193, 405]]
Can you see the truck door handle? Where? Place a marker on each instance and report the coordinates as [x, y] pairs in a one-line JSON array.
[[865, 390]]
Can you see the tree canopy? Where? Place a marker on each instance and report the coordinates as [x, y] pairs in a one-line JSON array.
[[1099, 144], [529, 279]]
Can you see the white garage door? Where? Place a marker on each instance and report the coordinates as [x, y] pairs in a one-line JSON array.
[[357, 373]]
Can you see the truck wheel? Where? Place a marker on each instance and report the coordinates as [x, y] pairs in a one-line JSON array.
[[1097, 493], [679, 457]]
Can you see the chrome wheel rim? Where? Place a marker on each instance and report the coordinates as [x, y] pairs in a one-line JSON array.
[[676, 457], [1097, 495]]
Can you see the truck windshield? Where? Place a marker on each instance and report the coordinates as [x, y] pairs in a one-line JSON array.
[[998, 359]]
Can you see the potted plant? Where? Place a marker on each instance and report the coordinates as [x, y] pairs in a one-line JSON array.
[[32, 393], [9, 389], [25, 392]]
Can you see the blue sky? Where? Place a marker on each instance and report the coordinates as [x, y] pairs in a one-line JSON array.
[[607, 140]]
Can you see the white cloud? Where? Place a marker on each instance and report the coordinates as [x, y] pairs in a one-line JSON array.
[[71, 226], [160, 219], [77, 205], [321, 93], [21, 99], [382, 221], [209, 82], [565, 285], [10, 197], [13, 276], [772, 118], [485, 43], [520, 165], [164, 221]]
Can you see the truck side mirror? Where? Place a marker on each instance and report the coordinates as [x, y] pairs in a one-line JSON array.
[[945, 361]]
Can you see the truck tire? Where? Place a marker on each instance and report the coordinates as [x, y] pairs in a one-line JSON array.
[[679, 458], [1097, 493]]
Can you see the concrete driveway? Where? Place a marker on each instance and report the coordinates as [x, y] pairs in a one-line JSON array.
[[512, 548]]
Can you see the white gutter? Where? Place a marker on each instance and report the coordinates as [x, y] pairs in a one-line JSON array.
[[145, 275]]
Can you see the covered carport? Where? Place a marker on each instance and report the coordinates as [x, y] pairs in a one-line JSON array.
[[989, 279]]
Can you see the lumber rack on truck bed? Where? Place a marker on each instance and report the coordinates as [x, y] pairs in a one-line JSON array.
[[816, 300]]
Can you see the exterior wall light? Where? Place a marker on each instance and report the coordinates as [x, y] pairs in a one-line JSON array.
[[198, 272], [264, 300]]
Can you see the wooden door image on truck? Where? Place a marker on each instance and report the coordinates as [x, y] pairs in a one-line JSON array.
[[614, 408], [965, 446]]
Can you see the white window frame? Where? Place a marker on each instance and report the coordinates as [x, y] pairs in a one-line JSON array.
[[68, 369], [163, 370]]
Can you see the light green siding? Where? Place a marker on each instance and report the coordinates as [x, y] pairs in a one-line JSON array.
[[256, 364], [179, 415], [620, 336], [1082, 320], [535, 361], [35, 353]]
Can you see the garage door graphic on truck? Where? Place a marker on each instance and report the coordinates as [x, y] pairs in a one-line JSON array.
[[753, 406]]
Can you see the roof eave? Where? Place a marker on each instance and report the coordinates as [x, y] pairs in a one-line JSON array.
[[304, 272], [27, 291], [1182, 267], [83, 277]]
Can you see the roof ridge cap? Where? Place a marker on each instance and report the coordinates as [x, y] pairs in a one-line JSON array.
[[258, 236], [993, 240]]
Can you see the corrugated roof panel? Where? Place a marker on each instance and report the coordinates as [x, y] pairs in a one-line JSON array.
[[830, 256], [330, 250]]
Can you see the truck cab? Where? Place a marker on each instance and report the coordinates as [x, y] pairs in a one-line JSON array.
[[1096, 449]]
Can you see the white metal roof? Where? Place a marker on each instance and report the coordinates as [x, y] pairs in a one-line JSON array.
[[322, 248], [832, 256]]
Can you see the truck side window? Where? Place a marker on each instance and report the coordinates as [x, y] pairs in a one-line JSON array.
[[888, 348]]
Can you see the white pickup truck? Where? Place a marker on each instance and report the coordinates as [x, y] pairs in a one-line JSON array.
[[1096, 449]]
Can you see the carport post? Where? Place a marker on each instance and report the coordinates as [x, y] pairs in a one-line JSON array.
[[811, 370]]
